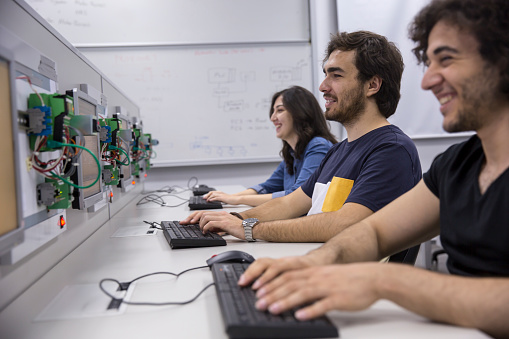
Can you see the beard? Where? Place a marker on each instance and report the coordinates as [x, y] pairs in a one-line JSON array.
[[477, 92], [350, 107]]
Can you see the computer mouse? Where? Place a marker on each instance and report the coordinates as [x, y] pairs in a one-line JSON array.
[[231, 256]]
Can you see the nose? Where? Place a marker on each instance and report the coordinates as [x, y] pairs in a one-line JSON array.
[[431, 78], [324, 86], [273, 117]]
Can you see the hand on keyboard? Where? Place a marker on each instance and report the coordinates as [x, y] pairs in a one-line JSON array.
[[193, 218], [230, 199], [242, 320], [264, 270], [186, 236], [222, 221], [349, 287]]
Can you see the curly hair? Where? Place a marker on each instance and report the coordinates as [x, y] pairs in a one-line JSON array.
[[374, 55], [308, 121], [486, 20]]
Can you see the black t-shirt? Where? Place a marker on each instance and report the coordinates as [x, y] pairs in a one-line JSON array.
[[474, 228]]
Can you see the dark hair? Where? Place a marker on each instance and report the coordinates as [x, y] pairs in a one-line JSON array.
[[308, 121], [486, 20], [374, 55]]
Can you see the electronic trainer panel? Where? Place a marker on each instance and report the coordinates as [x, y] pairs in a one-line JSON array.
[[11, 227]]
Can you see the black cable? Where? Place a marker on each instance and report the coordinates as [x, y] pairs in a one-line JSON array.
[[170, 273], [189, 181], [151, 198], [153, 224], [157, 199], [122, 286], [175, 196], [141, 303], [185, 202], [173, 189], [168, 189]]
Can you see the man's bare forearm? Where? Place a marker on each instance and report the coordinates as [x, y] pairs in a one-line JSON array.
[[355, 243], [478, 302], [254, 199], [290, 206], [314, 228]]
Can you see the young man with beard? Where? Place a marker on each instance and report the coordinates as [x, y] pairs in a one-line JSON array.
[[373, 166], [463, 197]]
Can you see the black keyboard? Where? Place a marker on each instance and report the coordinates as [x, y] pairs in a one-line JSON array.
[[198, 203], [202, 189], [243, 320], [186, 236]]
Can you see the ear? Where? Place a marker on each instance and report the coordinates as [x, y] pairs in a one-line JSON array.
[[374, 85]]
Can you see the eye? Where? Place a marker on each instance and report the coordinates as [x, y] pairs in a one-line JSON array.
[[445, 58]]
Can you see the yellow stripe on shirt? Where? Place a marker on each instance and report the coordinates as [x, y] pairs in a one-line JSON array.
[[337, 193]]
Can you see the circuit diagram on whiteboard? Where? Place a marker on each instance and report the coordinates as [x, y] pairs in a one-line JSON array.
[[227, 83]]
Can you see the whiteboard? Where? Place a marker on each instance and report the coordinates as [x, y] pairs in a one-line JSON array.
[[202, 71], [418, 113], [135, 22], [210, 104]]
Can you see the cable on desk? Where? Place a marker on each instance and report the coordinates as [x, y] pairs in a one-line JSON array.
[[177, 205], [153, 224], [173, 189], [157, 199], [123, 286], [151, 198], [189, 182], [168, 189]]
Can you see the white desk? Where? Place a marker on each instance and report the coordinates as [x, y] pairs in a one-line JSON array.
[[107, 255]]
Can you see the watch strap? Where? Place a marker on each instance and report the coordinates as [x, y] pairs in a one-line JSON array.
[[248, 225], [237, 215]]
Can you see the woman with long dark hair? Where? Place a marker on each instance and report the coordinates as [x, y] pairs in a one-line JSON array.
[[306, 137]]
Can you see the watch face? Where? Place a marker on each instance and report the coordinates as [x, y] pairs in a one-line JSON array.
[[251, 220]]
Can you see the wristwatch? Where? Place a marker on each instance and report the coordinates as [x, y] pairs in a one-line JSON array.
[[248, 225]]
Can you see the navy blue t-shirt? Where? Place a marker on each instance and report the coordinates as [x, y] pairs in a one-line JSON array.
[[372, 171]]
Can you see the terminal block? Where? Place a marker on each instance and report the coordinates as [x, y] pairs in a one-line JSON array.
[[54, 194], [110, 175], [109, 130], [46, 194], [105, 134], [61, 106], [39, 121]]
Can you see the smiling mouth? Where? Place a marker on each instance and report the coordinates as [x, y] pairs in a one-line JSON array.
[[444, 100], [329, 102]]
